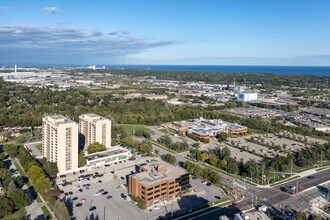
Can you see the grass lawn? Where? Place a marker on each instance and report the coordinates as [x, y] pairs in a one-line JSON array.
[[130, 129], [164, 130], [39, 147], [19, 214], [46, 212], [38, 199], [111, 91], [19, 169]]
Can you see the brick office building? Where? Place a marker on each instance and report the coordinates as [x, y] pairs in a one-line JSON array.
[[157, 182]]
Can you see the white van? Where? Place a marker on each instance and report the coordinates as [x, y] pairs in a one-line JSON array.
[[244, 216]]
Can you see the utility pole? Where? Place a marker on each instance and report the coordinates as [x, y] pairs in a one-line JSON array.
[[252, 200], [297, 191], [291, 167]]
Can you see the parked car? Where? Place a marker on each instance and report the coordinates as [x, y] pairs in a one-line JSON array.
[[104, 193], [82, 200], [156, 207], [97, 194], [204, 182], [109, 197], [75, 198], [79, 204], [80, 190], [92, 208]]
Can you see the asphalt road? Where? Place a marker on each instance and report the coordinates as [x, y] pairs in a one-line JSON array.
[[305, 182]]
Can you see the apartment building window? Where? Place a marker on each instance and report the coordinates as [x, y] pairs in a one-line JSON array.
[[157, 191], [163, 184], [150, 194], [163, 189], [157, 186]]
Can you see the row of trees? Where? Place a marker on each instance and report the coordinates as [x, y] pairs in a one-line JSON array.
[[40, 173], [144, 147], [221, 158], [169, 158], [267, 80], [13, 197], [206, 173], [176, 146]]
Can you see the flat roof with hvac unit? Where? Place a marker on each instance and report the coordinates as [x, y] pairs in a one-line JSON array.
[[108, 156]]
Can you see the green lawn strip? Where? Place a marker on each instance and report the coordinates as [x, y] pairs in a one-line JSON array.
[[19, 214], [18, 167], [164, 130], [38, 199], [46, 212], [205, 210], [284, 181], [322, 168], [132, 128], [163, 147]]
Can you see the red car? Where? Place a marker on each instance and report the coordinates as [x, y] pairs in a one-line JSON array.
[[235, 204]]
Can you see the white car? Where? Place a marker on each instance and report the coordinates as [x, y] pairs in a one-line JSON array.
[[293, 187], [156, 207], [204, 182], [97, 194]]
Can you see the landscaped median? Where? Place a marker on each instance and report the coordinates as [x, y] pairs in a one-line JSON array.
[[163, 147], [209, 208]]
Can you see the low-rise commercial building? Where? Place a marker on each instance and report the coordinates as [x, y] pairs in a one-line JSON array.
[[115, 155], [158, 182]]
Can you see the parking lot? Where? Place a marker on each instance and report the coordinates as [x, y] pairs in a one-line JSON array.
[[119, 208], [258, 148], [292, 146], [123, 167], [240, 154]]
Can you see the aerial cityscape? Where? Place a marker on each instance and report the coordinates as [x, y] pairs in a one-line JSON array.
[[165, 110]]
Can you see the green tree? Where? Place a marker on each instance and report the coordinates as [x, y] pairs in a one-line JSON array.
[[42, 184], [81, 160], [61, 211], [11, 149], [204, 156], [233, 168], [6, 206], [51, 168], [169, 158], [3, 173], [2, 156], [96, 147], [19, 197], [11, 186], [223, 137]]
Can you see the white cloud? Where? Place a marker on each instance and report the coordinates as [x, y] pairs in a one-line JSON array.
[[29, 43], [4, 7], [118, 32], [52, 10]]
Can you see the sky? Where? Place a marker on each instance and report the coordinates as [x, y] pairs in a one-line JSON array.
[[168, 32]]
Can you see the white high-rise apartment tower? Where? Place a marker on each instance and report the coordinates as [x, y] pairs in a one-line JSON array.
[[60, 142], [94, 128]]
